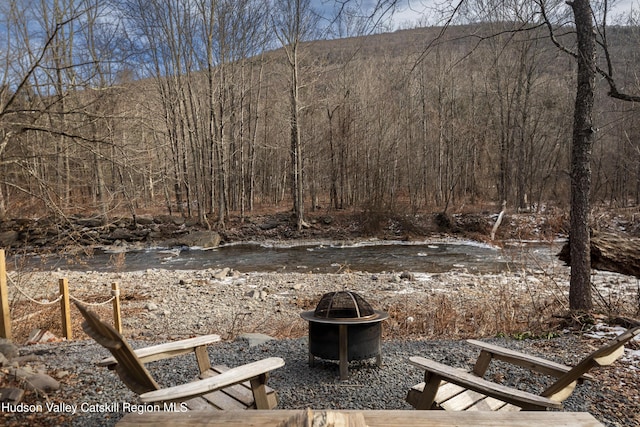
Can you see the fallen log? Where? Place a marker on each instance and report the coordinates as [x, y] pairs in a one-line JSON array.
[[610, 252]]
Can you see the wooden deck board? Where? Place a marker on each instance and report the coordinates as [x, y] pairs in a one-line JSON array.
[[373, 418]]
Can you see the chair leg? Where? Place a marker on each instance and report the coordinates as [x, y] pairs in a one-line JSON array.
[[428, 395], [258, 386], [202, 357], [484, 359]]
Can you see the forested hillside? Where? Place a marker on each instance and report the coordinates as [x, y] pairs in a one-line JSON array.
[[187, 112]]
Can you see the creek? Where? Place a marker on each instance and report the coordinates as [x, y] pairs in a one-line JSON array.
[[371, 256]]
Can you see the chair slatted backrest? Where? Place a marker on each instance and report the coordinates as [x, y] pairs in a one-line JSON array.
[[601, 357], [129, 368]]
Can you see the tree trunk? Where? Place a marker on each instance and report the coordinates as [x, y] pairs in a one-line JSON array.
[[101, 190], [583, 137], [611, 252], [296, 147]]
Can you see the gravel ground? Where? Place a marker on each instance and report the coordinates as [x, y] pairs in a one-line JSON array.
[[300, 386], [164, 304], [161, 305]]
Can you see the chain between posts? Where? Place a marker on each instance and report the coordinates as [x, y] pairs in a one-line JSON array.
[[64, 298]]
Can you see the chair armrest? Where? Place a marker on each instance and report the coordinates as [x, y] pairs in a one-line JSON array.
[[198, 388], [533, 363], [166, 350], [470, 381]]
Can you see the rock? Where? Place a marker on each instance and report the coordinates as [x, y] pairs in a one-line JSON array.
[[11, 395], [120, 234], [21, 360], [327, 220], [42, 382], [21, 373], [254, 339], [3, 360], [191, 222], [221, 274], [178, 220], [7, 238], [144, 220], [89, 222], [407, 275], [269, 225], [62, 374], [151, 306], [202, 239], [162, 219], [257, 295], [8, 349]]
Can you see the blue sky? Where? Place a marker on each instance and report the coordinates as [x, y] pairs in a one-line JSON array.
[[409, 13]]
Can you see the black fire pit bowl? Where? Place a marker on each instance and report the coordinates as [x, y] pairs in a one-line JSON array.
[[344, 327]]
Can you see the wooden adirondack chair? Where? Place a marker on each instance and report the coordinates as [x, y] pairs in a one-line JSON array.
[[457, 390], [219, 387]]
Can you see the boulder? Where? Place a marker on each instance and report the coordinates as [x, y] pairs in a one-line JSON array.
[[202, 239], [254, 339], [144, 219], [90, 222], [7, 238], [121, 234], [269, 225]]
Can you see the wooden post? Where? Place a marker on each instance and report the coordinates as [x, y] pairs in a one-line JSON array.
[[66, 310], [5, 313], [117, 319]]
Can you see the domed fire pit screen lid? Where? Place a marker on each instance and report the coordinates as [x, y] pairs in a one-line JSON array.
[[343, 305]]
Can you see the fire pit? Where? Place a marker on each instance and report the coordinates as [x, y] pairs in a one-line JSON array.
[[344, 327]]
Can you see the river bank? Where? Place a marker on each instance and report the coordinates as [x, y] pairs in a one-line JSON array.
[[176, 303], [77, 234]]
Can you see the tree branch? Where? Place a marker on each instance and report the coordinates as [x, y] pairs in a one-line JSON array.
[[35, 65], [603, 43], [552, 33]]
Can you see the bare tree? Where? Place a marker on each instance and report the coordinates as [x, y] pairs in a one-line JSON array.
[[293, 22], [583, 138], [48, 97], [591, 32]]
